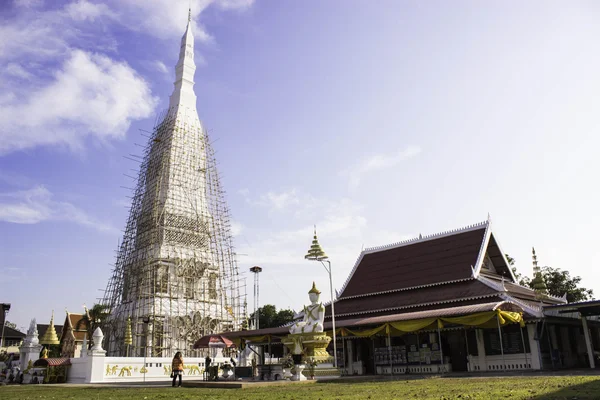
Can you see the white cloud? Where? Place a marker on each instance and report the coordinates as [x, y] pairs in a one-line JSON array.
[[160, 67], [236, 228], [47, 36], [82, 10], [273, 200], [234, 4], [37, 205], [17, 70], [281, 200], [378, 162], [29, 3], [160, 18], [280, 247], [58, 88], [90, 95]]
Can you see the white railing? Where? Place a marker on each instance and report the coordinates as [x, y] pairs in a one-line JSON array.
[[510, 362]]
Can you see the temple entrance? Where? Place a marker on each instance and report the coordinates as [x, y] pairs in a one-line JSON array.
[[457, 349]]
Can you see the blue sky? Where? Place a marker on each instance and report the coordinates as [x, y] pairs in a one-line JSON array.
[[375, 120]]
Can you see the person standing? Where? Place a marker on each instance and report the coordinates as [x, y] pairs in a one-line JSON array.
[[177, 367]]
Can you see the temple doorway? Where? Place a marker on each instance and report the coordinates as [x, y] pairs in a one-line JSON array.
[[457, 349]]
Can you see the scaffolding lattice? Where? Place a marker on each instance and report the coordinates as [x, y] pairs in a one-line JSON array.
[[175, 273]]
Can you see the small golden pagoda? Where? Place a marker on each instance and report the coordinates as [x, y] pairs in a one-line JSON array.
[[50, 336], [128, 337]]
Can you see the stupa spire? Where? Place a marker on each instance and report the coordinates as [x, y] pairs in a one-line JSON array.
[[538, 280], [183, 96]]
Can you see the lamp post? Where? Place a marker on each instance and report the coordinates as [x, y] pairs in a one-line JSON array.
[[316, 253], [5, 308]]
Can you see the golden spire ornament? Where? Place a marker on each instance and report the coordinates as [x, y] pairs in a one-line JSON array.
[[50, 336]]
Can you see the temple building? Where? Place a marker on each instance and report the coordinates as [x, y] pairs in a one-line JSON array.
[[72, 335], [175, 277], [446, 302]]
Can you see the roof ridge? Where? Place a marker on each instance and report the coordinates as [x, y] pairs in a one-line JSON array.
[[431, 236]]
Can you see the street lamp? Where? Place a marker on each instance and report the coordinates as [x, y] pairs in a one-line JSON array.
[[316, 253], [5, 308]]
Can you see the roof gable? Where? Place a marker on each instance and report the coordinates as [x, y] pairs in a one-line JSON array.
[[71, 321], [493, 253], [432, 260]]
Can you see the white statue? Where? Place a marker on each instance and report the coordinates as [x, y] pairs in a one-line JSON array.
[[32, 335], [314, 315]]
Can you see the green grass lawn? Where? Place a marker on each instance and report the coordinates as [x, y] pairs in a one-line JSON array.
[[553, 387]]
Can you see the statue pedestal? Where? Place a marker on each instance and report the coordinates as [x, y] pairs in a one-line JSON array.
[[29, 352], [298, 376], [310, 345]]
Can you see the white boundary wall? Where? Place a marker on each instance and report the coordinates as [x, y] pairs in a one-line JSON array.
[[100, 369]]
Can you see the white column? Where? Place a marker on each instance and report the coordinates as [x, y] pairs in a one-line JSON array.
[[533, 347], [588, 341], [95, 359], [480, 349]]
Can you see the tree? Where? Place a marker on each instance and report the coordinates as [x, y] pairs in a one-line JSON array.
[[269, 317], [92, 319], [558, 283], [11, 325]]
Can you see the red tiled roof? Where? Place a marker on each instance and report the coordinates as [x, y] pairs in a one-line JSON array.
[[427, 262], [453, 292], [51, 362]]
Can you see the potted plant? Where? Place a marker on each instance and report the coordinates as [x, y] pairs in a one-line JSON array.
[[311, 363], [287, 363]]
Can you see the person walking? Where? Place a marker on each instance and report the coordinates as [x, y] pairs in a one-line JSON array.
[[177, 368]]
